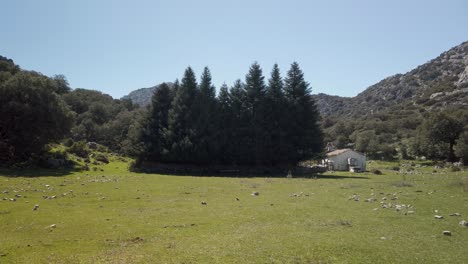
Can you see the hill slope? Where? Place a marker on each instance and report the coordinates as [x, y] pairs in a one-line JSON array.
[[436, 84]]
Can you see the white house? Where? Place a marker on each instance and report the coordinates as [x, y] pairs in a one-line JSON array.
[[345, 160]]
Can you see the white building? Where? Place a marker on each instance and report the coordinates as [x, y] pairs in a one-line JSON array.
[[345, 160]]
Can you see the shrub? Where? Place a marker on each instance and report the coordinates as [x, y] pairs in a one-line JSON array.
[[376, 171], [80, 149], [101, 158], [455, 168]]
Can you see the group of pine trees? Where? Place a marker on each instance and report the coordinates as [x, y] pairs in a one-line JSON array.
[[251, 123]]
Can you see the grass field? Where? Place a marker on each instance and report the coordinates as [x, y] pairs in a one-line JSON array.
[[114, 216]]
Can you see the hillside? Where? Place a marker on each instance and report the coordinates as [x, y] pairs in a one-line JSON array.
[[436, 84], [142, 96]]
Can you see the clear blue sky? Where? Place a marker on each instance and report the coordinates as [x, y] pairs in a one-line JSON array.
[[118, 46]]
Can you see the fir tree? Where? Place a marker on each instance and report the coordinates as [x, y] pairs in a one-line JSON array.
[[180, 134], [305, 138], [206, 122], [255, 90], [224, 125], [275, 118], [156, 124]]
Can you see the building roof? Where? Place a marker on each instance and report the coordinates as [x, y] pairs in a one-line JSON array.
[[341, 151]]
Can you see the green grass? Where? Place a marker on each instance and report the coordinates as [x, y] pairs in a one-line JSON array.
[[114, 216]]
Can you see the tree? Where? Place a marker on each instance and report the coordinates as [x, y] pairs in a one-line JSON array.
[[32, 115], [240, 141], [225, 125], [275, 118], [206, 122], [461, 148], [305, 138], [156, 124], [181, 133], [442, 128], [255, 91]]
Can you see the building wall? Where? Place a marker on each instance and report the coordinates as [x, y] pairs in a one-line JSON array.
[[341, 161]]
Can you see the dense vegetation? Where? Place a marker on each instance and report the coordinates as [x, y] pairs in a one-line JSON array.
[[252, 123]]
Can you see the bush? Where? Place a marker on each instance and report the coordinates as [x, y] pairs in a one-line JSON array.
[[80, 149], [455, 168], [101, 158], [376, 171]]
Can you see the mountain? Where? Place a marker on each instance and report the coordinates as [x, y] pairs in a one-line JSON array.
[[142, 96], [436, 84]]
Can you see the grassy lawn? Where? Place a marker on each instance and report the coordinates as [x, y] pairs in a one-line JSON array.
[[114, 216]]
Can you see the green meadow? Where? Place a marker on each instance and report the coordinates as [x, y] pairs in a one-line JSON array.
[[111, 215]]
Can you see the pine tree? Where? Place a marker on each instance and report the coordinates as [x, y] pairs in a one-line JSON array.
[[181, 133], [240, 142], [206, 122], [305, 138], [275, 118], [255, 90], [156, 124], [224, 125]]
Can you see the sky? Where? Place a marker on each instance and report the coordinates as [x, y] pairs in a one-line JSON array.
[[117, 46]]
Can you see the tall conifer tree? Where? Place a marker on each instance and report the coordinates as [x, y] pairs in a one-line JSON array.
[[305, 138], [181, 131]]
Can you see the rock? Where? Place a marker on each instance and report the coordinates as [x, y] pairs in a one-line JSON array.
[[47, 185], [438, 217], [53, 226], [12, 199], [18, 195], [237, 199], [203, 203], [447, 233], [255, 194], [383, 238], [463, 223], [36, 207], [455, 214]]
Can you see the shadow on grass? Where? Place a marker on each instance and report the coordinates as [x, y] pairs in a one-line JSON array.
[[36, 172], [249, 174]]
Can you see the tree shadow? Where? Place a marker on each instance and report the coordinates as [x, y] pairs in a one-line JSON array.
[[36, 172], [247, 174]]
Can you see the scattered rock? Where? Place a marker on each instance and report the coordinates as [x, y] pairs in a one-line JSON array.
[[18, 195], [237, 199], [438, 217], [53, 226], [383, 238], [203, 203], [463, 223], [455, 214], [255, 194], [47, 185], [354, 197], [36, 207], [447, 233]]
